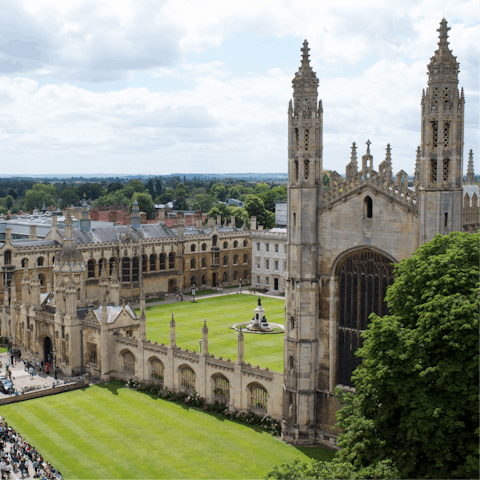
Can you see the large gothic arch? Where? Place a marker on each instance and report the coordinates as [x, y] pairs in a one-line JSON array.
[[363, 275]]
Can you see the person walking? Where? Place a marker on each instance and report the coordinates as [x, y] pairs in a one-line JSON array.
[[31, 373], [177, 297], [35, 465]]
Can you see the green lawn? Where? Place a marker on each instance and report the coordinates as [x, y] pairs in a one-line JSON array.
[[221, 313], [3, 350], [107, 431]]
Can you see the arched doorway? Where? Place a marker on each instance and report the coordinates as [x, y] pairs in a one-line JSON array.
[[215, 280], [363, 277], [172, 286], [47, 350]]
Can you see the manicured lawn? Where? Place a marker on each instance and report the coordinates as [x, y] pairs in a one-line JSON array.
[[3, 350], [107, 431], [221, 313]]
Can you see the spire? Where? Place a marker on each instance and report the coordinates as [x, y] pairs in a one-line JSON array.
[[305, 55], [85, 223], [135, 220], [388, 155], [417, 166], [353, 156], [320, 107], [290, 107], [443, 66], [205, 338], [470, 170]]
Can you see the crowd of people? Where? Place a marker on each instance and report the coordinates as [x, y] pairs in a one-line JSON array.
[[16, 455]]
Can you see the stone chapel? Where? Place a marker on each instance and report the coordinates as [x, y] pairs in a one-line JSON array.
[[342, 241]]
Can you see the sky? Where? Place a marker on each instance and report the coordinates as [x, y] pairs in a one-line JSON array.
[[202, 86]]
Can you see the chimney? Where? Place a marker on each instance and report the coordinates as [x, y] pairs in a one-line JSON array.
[[33, 232], [253, 223]]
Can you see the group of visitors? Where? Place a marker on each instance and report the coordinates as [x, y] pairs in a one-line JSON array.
[[16, 455]]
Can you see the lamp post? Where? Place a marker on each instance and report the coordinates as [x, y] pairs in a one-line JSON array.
[[10, 338], [193, 292], [55, 361]]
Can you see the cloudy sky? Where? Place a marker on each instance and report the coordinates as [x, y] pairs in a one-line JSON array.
[[202, 86]]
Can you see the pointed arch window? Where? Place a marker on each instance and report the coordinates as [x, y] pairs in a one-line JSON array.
[[446, 129], [296, 170], [306, 138], [368, 207], [363, 280], [433, 169], [306, 169], [297, 139], [446, 169], [435, 133]]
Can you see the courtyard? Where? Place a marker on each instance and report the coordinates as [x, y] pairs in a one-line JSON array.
[[221, 312], [109, 431]]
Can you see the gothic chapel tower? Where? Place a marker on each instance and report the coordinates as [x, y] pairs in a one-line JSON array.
[[304, 189], [441, 145]]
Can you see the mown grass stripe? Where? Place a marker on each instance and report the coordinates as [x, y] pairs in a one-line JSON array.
[[195, 440], [113, 432]]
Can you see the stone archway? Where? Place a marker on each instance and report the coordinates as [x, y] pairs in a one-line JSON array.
[[363, 276], [172, 286], [47, 350]]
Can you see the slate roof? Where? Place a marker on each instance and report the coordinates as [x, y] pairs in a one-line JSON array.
[[113, 312]]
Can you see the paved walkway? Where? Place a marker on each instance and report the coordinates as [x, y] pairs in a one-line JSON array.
[[188, 298], [21, 378]]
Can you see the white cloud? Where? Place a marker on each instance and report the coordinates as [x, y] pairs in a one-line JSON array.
[[214, 120]]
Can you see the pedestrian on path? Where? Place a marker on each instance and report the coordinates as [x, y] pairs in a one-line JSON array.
[[181, 297], [31, 373], [177, 297]]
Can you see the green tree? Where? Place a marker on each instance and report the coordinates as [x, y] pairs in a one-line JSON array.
[[326, 180], [69, 197], [145, 203], [181, 190], [240, 215], [255, 207], [261, 187], [137, 185], [167, 196], [47, 188], [234, 192], [115, 186], [150, 188], [158, 186], [218, 191], [417, 388], [204, 202], [8, 202], [96, 191], [219, 209], [35, 199]]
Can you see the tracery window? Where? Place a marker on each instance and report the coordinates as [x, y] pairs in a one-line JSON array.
[[156, 371], [187, 379], [235, 244], [221, 389], [129, 363], [436, 95], [7, 257], [162, 261], [192, 281], [192, 247], [225, 277], [171, 260], [306, 170], [152, 262], [204, 280], [192, 264], [204, 247], [91, 268], [258, 398], [40, 262], [435, 134], [305, 139], [135, 269], [225, 260], [296, 170], [235, 259], [433, 165], [125, 269], [306, 106], [245, 258], [363, 278], [204, 262], [297, 139], [446, 128], [144, 263], [446, 95], [446, 164], [225, 245]]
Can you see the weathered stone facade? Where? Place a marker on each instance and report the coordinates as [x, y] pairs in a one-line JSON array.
[[171, 259], [108, 340], [343, 240]]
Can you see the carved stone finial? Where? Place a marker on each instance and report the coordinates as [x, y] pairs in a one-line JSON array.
[[388, 156], [470, 180], [368, 143]]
